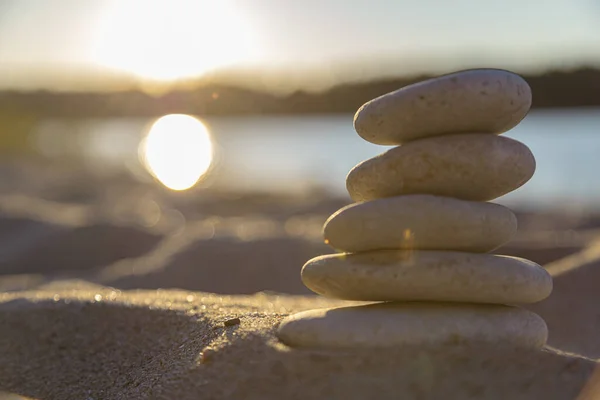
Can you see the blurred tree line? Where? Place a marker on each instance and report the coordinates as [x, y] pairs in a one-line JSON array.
[[553, 89]]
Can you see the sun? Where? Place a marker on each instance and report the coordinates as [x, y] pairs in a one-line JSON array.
[[177, 151], [167, 40]]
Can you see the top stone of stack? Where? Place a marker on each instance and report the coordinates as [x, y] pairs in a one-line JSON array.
[[474, 101]]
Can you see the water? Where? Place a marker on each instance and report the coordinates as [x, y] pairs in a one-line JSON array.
[[289, 153]]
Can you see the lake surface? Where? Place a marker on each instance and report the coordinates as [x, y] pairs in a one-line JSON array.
[[291, 153]]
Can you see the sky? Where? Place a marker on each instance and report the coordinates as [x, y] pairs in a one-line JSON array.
[[312, 43]]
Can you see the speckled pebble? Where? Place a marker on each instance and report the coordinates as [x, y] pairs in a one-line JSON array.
[[400, 324], [482, 101], [420, 222], [403, 275], [476, 167]]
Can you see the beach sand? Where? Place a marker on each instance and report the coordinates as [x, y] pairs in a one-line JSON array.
[[80, 341], [75, 324]]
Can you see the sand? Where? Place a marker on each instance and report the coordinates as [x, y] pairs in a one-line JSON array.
[[214, 242], [80, 341], [74, 324]]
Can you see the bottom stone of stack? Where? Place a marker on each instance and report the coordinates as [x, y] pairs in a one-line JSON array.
[[413, 323]]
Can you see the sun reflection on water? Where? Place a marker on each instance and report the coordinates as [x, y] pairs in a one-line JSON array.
[[177, 151]]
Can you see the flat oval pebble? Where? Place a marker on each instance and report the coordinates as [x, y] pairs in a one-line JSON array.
[[420, 222], [483, 100], [400, 324], [476, 167], [403, 275]]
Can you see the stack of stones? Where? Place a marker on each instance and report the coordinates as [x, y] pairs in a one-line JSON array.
[[417, 238]]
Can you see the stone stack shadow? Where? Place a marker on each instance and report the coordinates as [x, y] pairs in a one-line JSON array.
[[418, 237]]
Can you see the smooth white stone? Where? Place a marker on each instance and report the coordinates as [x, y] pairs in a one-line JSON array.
[[483, 101], [403, 275], [476, 167], [401, 324], [420, 222]]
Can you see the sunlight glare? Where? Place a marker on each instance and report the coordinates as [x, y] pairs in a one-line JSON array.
[[177, 151], [169, 40]]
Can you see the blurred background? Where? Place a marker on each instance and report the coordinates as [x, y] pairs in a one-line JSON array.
[[201, 144]]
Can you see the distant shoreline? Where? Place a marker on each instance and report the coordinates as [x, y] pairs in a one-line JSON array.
[[555, 89]]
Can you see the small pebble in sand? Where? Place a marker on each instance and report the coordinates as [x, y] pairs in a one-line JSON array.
[[232, 322], [207, 355]]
